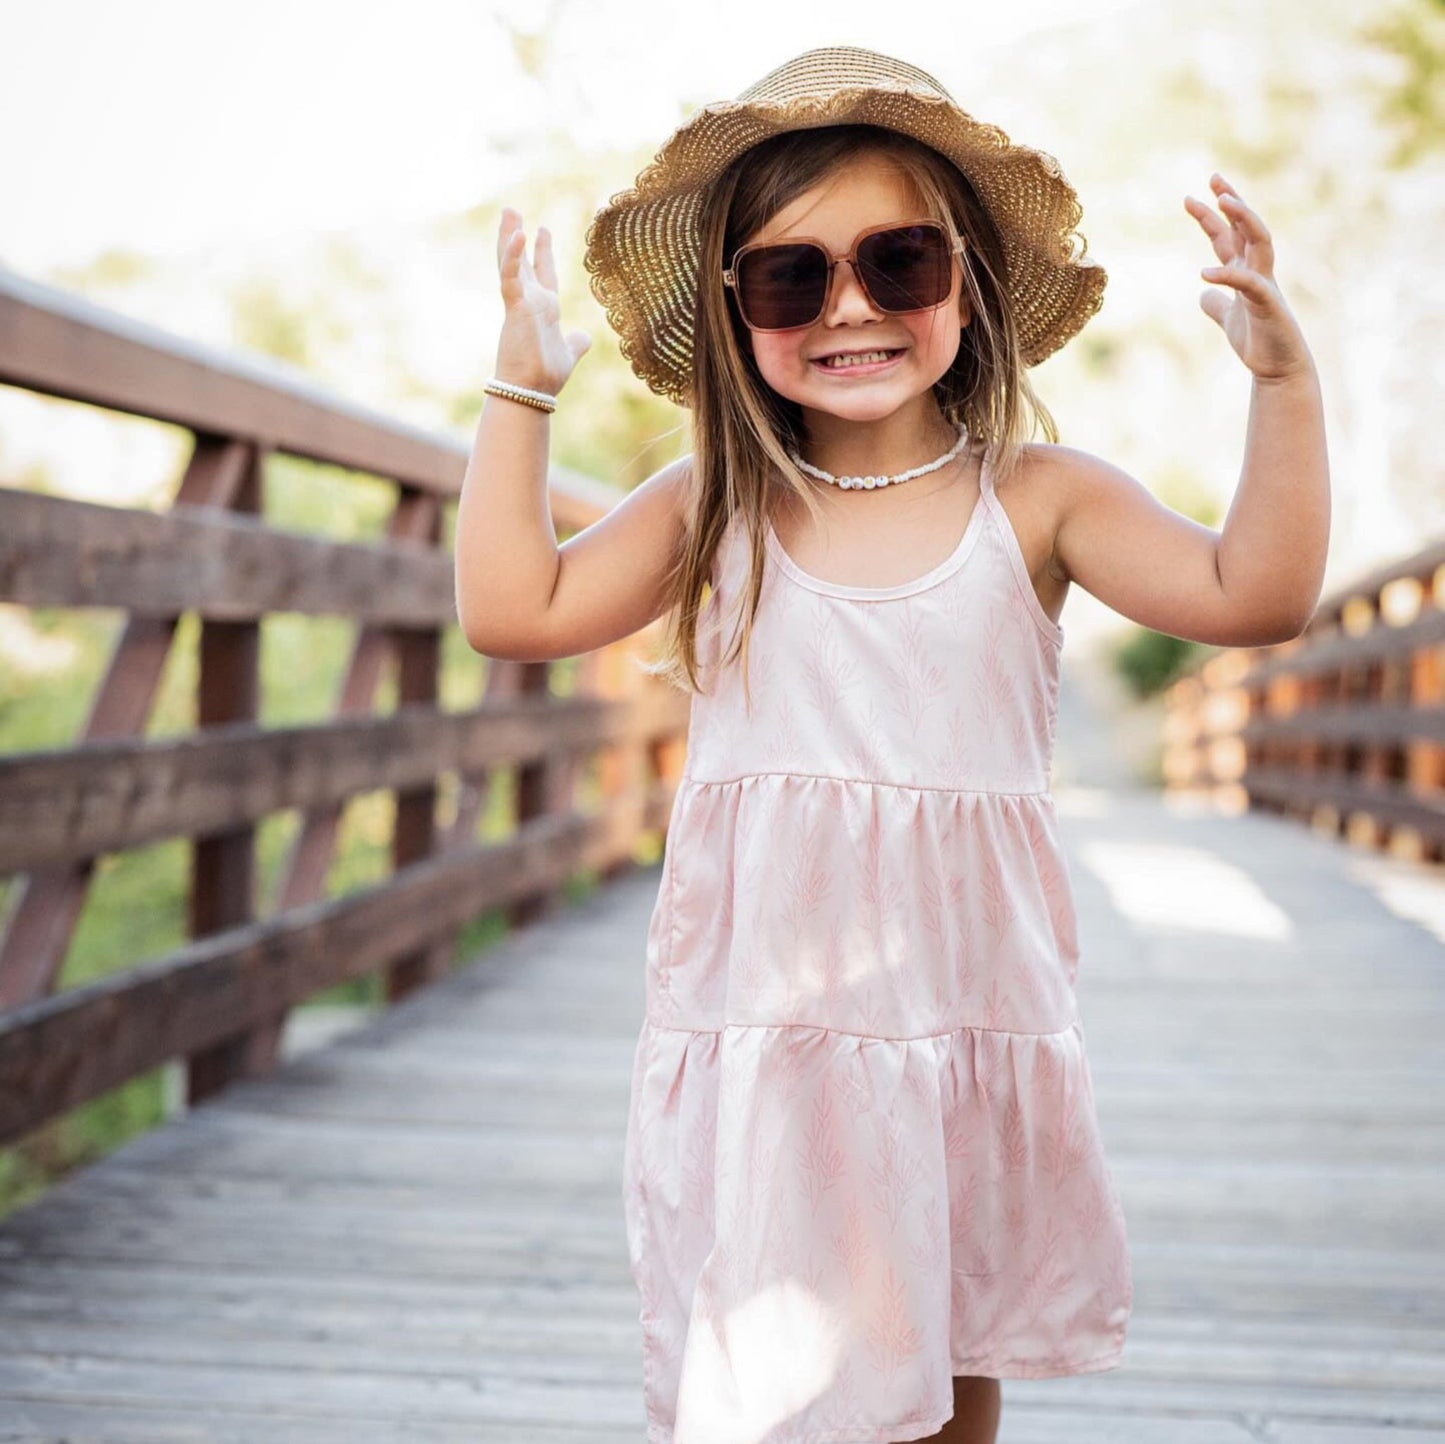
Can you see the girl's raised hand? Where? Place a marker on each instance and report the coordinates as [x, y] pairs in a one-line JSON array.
[[532, 350], [1255, 319]]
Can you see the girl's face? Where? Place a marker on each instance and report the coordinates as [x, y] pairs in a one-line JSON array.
[[869, 192]]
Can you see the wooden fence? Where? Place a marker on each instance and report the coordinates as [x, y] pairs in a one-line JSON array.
[[1344, 726], [220, 1003]]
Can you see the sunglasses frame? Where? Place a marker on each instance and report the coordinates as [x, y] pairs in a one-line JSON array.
[[730, 274]]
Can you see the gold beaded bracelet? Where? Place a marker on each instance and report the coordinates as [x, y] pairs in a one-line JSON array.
[[541, 400]]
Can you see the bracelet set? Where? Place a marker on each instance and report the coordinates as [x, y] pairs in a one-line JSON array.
[[542, 400]]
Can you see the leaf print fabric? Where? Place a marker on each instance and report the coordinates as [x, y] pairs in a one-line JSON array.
[[862, 1152]]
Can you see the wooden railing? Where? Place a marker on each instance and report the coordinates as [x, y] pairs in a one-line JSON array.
[[1344, 726], [220, 1003]]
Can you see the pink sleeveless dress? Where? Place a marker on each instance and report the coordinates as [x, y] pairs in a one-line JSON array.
[[862, 1152]]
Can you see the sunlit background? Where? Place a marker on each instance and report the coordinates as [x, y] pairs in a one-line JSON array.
[[322, 183]]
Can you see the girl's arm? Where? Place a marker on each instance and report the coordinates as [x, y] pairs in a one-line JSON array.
[[1258, 581], [1252, 585], [1277, 530], [519, 596]]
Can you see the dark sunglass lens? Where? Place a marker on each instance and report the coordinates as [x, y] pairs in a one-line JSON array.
[[908, 268], [780, 287]]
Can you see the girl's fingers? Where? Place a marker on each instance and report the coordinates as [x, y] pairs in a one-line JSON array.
[[507, 266], [546, 263], [1246, 221], [511, 265], [1222, 186], [521, 265], [1241, 234], [1254, 231], [1251, 283], [509, 247], [508, 227], [1214, 228], [512, 259], [1220, 233]]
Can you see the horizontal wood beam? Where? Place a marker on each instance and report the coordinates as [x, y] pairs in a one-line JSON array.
[[1333, 653], [1374, 725], [55, 552], [1421, 565], [1390, 802], [73, 803], [60, 1051]]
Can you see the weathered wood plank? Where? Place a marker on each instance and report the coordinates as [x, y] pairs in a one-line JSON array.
[[49, 1422], [459, 1394], [370, 1345], [464, 1392], [1378, 725], [1180, 1342], [56, 552], [1162, 1203], [1324, 1379], [256, 1288], [1258, 1283], [62, 805], [1028, 1423], [1340, 649], [1396, 803]]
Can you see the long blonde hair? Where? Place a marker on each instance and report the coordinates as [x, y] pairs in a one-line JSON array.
[[742, 428]]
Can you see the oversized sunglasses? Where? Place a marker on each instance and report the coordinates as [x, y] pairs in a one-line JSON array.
[[903, 266]]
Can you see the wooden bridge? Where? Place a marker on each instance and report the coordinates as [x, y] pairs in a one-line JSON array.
[[415, 1231]]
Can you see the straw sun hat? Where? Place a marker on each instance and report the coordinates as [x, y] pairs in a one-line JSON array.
[[642, 246]]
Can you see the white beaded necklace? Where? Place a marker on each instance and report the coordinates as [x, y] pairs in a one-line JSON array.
[[848, 483]]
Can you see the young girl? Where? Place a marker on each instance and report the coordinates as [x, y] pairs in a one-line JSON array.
[[863, 1174]]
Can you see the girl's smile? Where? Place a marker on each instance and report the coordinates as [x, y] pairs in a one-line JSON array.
[[880, 359]]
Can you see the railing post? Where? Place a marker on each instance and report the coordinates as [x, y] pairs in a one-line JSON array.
[[534, 793], [1425, 760], [414, 833], [223, 866]]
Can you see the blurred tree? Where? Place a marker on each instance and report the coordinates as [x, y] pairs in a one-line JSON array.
[[114, 266], [1414, 106], [263, 320], [1149, 661]]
